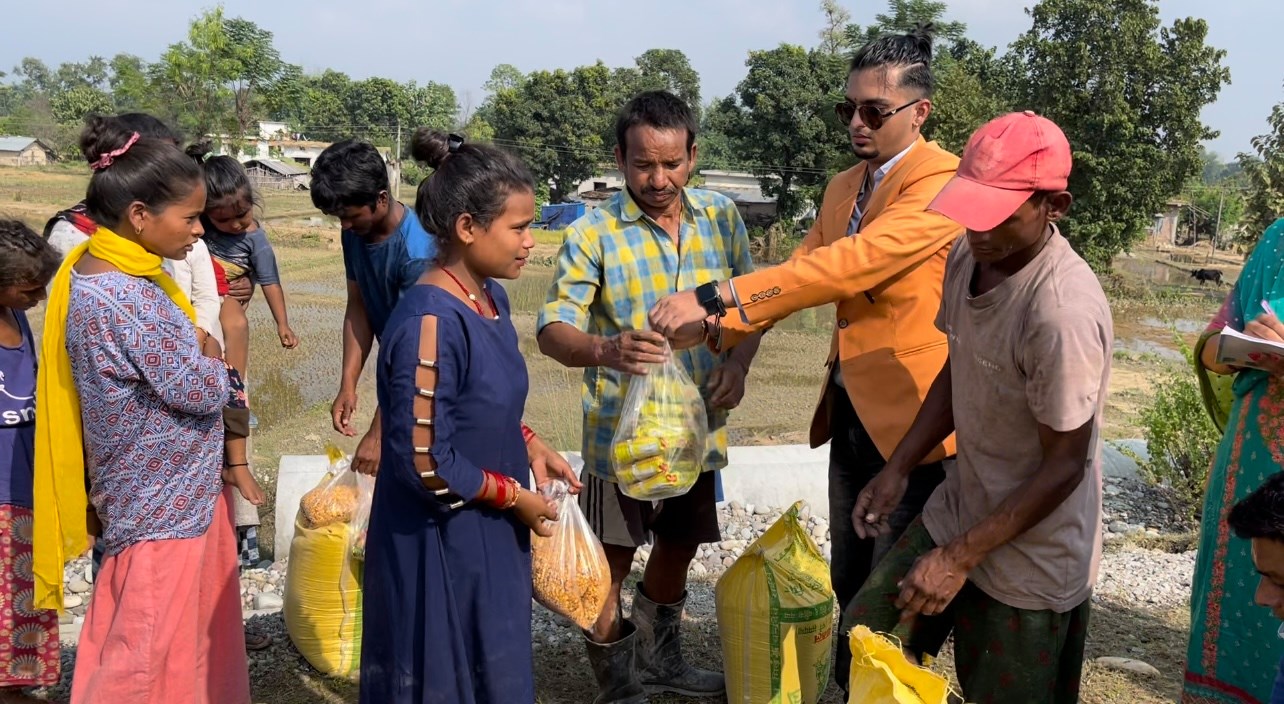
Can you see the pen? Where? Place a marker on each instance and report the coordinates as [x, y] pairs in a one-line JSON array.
[[1269, 310]]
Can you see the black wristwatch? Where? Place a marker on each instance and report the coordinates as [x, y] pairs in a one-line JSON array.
[[711, 298]]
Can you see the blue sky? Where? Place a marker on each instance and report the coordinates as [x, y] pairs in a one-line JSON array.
[[458, 41]]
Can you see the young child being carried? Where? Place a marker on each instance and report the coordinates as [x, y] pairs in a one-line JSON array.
[[239, 245]]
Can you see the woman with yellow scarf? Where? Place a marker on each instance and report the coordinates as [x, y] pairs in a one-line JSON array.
[[128, 401]]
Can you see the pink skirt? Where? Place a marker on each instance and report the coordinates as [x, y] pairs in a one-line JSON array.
[[28, 636], [164, 623]]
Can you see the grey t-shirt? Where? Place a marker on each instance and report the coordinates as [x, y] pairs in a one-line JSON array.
[[1035, 350], [249, 254]]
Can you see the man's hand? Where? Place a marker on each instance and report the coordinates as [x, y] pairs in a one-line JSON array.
[[691, 335], [633, 351], [548, 464], [876, 502], [366, 461], [345, 404], [727, 384], [932, 583], [674, 314], [241, 289]]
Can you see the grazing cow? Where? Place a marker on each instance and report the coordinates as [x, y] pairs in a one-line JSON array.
[[1206, 275]]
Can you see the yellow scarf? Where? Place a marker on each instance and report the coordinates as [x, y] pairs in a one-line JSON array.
[[60, 499]]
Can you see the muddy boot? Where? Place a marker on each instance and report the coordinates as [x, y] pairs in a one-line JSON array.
[[660, 652], [615, 669]]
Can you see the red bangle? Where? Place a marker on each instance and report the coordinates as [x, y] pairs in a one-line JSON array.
[[506, 490], [527, 434]]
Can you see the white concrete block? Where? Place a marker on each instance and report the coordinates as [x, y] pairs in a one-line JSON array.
[[297, 475], [777, 476]]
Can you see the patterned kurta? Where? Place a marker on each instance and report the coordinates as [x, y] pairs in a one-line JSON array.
[[151, 408], [1234, 650], [615, 264]]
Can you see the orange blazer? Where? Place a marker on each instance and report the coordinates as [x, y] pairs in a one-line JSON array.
[[886, 282]]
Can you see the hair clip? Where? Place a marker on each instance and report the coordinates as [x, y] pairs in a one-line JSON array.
[[453, 143]]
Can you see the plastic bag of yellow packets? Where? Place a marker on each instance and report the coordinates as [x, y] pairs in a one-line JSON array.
[[659, 446], [881, 674], [323, 585], [569, 569], [776, 618]]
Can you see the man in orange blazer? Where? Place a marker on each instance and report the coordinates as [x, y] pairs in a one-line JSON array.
[[877, 253]]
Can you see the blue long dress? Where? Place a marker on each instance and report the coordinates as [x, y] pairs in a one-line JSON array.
[[447, 596]]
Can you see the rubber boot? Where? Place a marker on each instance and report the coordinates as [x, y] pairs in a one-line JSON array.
[[660, 659], [615, 668]]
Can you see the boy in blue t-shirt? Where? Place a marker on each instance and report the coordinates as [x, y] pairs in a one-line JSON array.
[[385, 249]]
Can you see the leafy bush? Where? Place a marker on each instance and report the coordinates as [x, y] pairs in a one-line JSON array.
[[1180, 437]]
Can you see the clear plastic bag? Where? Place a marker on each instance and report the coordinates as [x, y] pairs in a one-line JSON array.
[[569, 569], [658, 450], [343, 497]]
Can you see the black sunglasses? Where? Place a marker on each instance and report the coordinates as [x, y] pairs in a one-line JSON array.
[[870, 115]]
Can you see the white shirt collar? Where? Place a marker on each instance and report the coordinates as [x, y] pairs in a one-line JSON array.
[[883, 170]]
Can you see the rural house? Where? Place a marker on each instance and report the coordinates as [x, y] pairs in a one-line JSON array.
[[606, 178], [24, 151], [1163, 230], [744, 189], [270, 174]]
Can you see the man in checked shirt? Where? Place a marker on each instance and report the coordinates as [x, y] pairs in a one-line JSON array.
[[652, 239]]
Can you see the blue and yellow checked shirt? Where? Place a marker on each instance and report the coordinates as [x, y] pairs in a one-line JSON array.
[[614, 265]]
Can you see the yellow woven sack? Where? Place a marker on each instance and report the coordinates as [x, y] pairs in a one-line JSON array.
[[881, 674], [776, 618], [323, 592]]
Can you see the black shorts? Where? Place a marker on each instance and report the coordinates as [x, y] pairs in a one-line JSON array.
[[690, 519]]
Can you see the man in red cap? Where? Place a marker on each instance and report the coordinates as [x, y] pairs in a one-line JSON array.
[[1005, 554]]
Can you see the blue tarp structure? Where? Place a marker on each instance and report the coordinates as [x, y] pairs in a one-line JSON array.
[[560, 215]]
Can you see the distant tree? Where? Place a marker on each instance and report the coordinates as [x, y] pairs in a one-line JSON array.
[[669, 69], [833, 34], [557, 121], [716, 148], [1132, 116], [196, 75], [131, 89], [431, 105], [780, 122], [255, 65], [1265, 175], [904, 16], [69, 107], [36, 76], [504, 77], [971, 89], [90, 74]]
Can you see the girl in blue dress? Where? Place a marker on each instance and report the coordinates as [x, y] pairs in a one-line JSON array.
[[447, 595], [29, 650]]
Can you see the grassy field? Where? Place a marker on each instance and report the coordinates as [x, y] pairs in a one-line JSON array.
[[291, 392]]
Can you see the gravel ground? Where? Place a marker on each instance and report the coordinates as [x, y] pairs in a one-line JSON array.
[[1132, 577]]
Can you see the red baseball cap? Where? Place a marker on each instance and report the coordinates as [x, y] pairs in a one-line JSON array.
[[1005, 162]]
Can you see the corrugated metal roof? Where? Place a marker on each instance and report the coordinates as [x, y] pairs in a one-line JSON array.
[[278, 167], [745, 196], [15, 144]]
